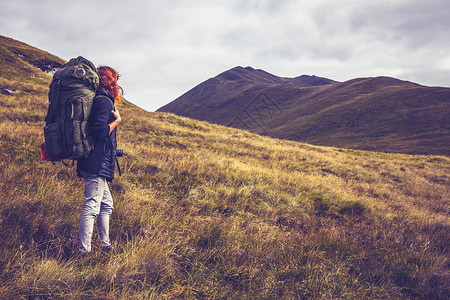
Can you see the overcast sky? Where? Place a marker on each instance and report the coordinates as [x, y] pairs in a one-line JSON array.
[[164, 48]]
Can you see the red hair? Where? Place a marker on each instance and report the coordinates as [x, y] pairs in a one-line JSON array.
[[108, 82]]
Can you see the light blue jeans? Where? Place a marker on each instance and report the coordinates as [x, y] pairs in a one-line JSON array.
[[98, 204]]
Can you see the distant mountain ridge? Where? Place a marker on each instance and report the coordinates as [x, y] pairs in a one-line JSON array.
[[258, 76], [376, 113]]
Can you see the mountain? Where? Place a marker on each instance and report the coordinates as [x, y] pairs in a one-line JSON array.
[[378, 114], [218, 99], [25, 61], [204, 211]]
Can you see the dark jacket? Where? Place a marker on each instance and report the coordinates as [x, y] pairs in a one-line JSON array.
[[101, 160]]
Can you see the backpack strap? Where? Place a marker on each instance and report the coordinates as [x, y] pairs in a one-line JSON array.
[[62, 121], [118, 167], [52, 106]]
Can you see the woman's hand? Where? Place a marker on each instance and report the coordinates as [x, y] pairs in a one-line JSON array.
[[116, 115], [116, 122]]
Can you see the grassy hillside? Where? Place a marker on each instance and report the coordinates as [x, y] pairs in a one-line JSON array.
[[209, 212], [23, 66]]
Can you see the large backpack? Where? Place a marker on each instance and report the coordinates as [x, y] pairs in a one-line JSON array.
[[71, 94]]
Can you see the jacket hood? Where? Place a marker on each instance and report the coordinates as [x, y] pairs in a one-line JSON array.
[[105, 93]]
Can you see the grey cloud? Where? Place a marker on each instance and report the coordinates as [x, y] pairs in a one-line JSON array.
[[164, 48]]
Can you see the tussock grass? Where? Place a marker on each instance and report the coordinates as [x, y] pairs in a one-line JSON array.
[[209, 212]]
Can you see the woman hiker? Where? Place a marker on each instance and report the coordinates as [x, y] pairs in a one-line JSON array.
[[98, 168]]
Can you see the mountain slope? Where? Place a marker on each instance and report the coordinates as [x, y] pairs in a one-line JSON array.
[[204, 211], [218, 99], [22, 66], [379, 114]]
